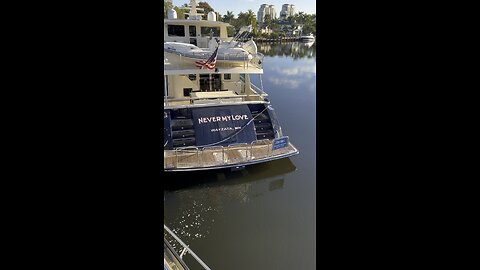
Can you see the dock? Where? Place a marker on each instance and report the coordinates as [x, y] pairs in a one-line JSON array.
[[280, 39]]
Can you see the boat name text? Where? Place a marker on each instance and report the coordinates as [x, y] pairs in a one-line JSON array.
[[237, 117]]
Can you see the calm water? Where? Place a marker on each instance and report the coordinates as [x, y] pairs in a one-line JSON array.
[[262, 217]]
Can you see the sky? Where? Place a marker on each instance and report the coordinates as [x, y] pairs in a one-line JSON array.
[[237, 6]]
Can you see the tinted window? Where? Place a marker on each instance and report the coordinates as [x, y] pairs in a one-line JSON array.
[[206, 31], [176, 31], [192, 29], [187, 91]]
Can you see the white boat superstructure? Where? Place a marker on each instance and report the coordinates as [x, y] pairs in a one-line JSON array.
[[194, 30], [187, 86]]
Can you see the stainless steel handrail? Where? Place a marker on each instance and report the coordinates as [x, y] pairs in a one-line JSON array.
[[260, 92], [257, 59], [197, 152], [186, 248], [243, 97]]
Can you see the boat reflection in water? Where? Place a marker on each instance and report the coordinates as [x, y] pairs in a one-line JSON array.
[[197, 199]]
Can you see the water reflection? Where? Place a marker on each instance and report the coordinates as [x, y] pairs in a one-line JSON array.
[[214, 178], [296, 50], [199, 198]]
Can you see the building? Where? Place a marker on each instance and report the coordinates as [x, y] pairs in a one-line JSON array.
[[287, 11], [266, 30], [264, 10]]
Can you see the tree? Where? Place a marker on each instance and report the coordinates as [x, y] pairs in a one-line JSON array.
[[245, 19], [229, 17], [180, 12], [309, 24], [166, 6], [206, 7], [268, 21], [252, 20], [292, 22], [306, 21]]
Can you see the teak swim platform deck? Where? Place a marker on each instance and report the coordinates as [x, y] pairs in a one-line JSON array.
[[192, 158]]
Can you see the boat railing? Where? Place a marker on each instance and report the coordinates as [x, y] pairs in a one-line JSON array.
[[221, 99], [191, 99], [185, 248], [238, 60], [224, 56], [257, 60], [258, 90], [196, 157]]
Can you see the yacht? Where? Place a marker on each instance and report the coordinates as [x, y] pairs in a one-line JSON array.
[[307, 38], [216, 113]]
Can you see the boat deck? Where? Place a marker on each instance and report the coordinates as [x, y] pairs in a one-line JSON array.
[[223, 157], [170, 262], [175, 65], [254, 95], [171, 103]]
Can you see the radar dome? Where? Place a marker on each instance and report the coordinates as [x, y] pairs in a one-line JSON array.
[[212, 16], [171, 14]]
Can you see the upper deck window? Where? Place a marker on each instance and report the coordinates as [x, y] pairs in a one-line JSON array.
[[176, 30], [206, 31]]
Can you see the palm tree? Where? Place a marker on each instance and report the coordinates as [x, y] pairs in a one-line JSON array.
[[229, 17], [206, 8], [252, 19]]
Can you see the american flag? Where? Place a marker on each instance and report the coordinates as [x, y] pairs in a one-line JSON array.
[[210, 63]]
